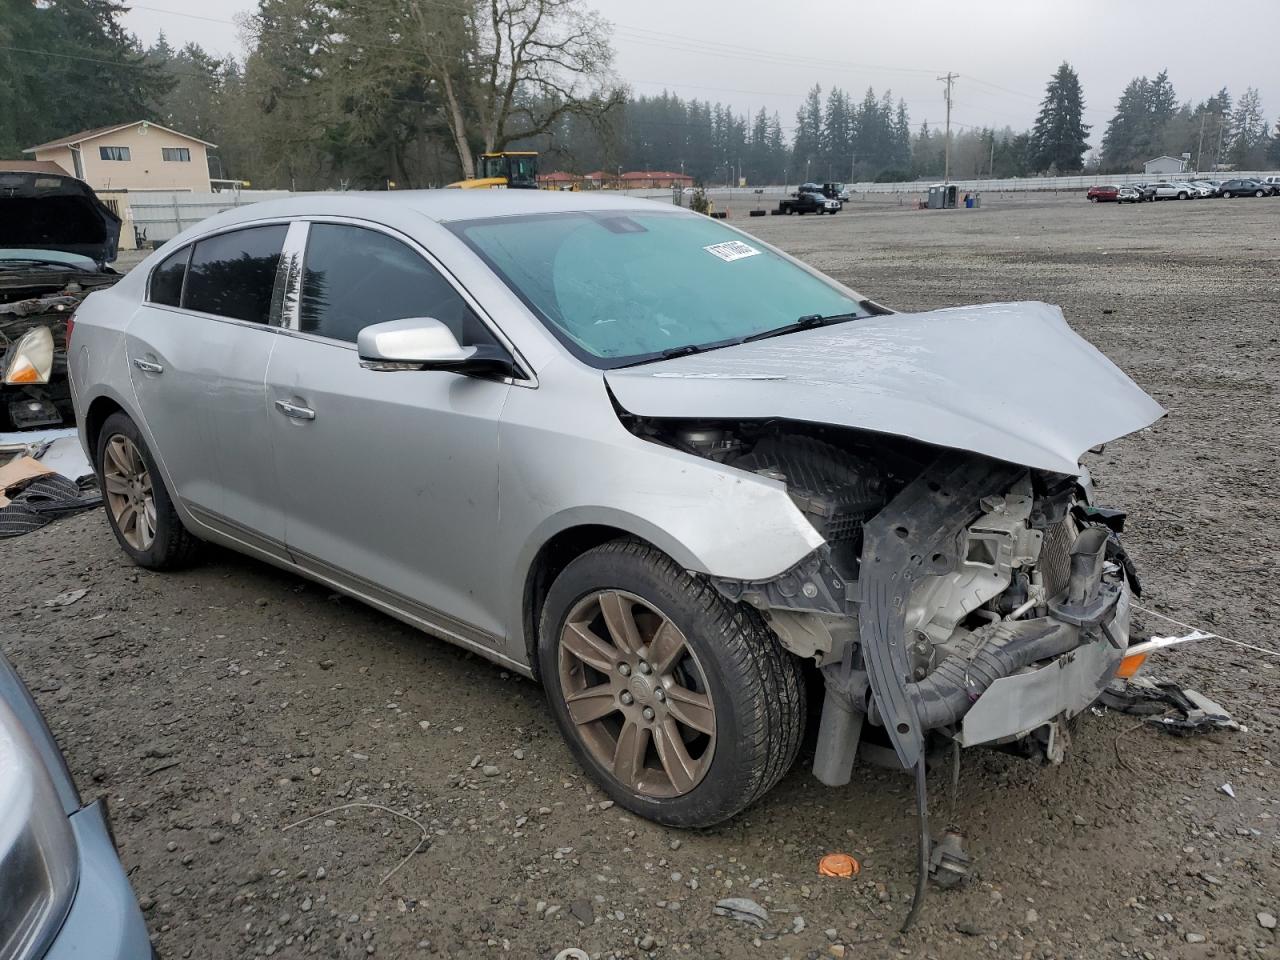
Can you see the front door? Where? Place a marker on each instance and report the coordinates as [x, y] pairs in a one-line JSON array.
[[197, 352], [389, 480]]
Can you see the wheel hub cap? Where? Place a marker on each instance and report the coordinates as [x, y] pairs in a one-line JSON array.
[[637, 694], [128, 492]]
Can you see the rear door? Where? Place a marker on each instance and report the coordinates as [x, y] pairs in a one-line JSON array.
[[197, 352], [388, 479]]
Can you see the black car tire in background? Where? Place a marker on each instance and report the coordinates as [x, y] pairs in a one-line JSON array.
[[173, 546]]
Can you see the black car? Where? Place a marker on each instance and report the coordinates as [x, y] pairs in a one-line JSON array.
[[56, 239], [1243, 188], [809, 198], [1146, 191]]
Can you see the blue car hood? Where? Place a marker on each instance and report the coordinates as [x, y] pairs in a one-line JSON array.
[[1007, 380]]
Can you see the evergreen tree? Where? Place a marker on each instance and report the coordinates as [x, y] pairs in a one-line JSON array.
[[1248, 148], [807, 146], [1122, 144], [837, 136], [1060, 136], [95, 73]]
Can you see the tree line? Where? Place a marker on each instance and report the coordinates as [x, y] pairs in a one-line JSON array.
[[369, 93]]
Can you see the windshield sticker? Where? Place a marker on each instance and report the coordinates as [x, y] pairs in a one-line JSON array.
[[731, 250]]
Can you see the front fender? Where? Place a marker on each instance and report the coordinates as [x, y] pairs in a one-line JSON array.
[[566, 462]]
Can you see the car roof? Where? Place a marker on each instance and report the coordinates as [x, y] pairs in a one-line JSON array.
[[446, 205]]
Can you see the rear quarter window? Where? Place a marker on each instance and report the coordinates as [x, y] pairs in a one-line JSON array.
[[233, 274], [166, 279]]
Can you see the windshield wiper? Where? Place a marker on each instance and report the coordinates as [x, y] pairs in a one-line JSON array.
[[26, 262], [807, 322]]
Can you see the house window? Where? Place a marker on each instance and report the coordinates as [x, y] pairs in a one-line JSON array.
[[181, 154], [113, 153]]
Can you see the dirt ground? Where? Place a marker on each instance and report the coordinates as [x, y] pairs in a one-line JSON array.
[[218, 708]]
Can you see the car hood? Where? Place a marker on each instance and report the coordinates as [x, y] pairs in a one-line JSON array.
[[1007, 380], [45, 211]]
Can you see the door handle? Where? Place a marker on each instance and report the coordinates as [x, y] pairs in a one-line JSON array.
[[148, 366], [294, 411]]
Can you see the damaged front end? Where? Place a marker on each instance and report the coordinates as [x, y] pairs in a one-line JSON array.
[[957, 597], [34, 312], [56, 239]]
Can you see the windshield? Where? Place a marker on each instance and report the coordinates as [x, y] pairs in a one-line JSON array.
[[626, 288]]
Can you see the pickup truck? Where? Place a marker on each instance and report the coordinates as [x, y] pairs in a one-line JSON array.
[[808, 198]]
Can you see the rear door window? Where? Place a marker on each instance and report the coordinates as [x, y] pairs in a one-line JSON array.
[[166, 279], [233, 274], [353, 277]]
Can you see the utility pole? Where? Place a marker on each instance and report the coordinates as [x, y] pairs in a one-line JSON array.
[[949, 79], [1200, 147]]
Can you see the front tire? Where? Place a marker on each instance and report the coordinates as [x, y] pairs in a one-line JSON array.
[[682, 706], [139, 508]]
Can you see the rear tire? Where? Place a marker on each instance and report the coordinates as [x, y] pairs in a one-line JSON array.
[[139, 508], [630, 693]]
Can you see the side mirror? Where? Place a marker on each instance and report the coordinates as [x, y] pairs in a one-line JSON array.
[[423, 343]]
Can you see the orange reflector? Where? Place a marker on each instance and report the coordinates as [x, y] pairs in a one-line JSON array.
[[838, 865], [1129, 665], [24, 372]]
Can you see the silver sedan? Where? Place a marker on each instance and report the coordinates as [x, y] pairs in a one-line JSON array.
[[646, 458]]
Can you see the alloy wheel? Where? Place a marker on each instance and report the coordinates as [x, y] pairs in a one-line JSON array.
[[128, 492], [637, 694]]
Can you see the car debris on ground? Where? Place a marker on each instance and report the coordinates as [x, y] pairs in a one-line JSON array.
[[743, 910], [32, 493], [1184, 712]]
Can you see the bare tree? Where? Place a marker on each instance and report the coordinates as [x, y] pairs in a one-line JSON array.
[[508, 70]]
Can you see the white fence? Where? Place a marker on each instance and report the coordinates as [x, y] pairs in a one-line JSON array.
[[161, 216]]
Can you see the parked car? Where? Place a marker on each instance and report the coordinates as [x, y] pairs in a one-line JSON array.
[[809, 198], [1206, 188], [1165, 190], [63, 891], [1243, 188], [1103, 194], [1129, 195], [835, 191], [1148, 190], [1274, 183], [715, 466], [56, 240]]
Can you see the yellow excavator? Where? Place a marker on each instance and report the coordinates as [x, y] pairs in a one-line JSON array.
[[510, 169]]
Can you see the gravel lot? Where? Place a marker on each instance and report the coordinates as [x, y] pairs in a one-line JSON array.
[[217, 708]]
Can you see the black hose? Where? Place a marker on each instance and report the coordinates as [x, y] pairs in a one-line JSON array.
[[922, 864], [945, 695]]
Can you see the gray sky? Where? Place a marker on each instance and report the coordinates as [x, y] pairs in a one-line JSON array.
[[745, 54]]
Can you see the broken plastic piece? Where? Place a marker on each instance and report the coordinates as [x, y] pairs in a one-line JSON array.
[[1130, 665], [949, 865], [1195, 713], [742, 909], [838, 865]]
